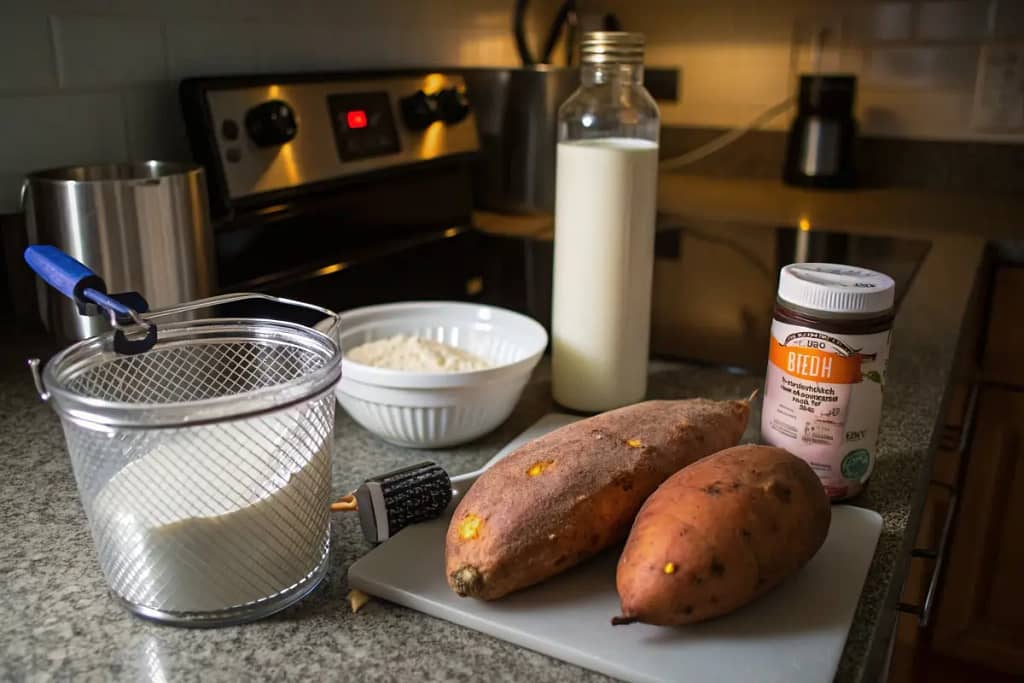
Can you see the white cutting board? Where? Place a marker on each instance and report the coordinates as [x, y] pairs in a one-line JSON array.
[[794, 633]]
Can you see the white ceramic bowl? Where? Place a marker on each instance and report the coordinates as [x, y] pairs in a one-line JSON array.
[[437, 409]]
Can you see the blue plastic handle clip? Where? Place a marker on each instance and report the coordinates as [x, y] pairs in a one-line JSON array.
[[76, 281], [62, 272]]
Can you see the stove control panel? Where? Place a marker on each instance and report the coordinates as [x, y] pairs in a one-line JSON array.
[[270, 134], [364, 125], [270, 124], [419, 110]]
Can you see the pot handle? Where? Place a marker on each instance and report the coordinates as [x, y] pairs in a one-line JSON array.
[[33, 365]]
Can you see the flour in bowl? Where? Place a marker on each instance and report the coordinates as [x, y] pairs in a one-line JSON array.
[[415, 354]]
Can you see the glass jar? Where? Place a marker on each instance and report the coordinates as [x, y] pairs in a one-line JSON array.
[[827, 364], [605, 203]]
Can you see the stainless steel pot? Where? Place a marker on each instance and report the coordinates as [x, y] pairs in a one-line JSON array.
[[517, 116], [144, 225]]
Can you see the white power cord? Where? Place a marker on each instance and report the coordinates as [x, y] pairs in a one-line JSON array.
[[728, 138], [818, 41]]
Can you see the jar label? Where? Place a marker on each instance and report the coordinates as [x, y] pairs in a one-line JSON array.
[[803, 356], [823, 401]]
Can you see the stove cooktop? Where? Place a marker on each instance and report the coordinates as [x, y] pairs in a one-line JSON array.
[[714, 286], [714, 290]]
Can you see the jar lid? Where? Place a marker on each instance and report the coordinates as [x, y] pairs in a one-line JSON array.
[[836, 288], [612, 47]]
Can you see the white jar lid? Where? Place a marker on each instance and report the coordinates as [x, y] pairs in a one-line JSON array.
[[835, 288]]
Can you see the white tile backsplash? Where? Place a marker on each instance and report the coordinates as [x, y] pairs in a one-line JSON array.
[[495, 50], [499, 18], [98, 50], [1007, 19], [920, 114], [153, 125], [120, 59], [952, 19], [27, 52], [205, 48], [916, 60], [84, 81], [441, 48], [999, 92], [10, 190], [376, 46], [922, 67], [301, 47], [60, 130], [887, 21]]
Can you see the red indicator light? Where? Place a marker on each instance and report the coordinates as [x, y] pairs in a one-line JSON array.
[[356, 118]]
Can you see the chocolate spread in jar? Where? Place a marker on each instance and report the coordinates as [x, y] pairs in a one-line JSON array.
[[826, 370]]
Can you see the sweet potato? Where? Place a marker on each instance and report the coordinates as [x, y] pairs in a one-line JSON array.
[[563, 497], [720, 533]]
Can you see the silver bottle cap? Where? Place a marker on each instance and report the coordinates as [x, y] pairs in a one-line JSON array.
[[612, 47]]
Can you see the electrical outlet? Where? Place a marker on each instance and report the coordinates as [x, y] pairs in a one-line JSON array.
[[662, 83], [999, 89]]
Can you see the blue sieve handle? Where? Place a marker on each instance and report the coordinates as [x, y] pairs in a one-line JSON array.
[[62, 272], [75, 281], [71, 278]]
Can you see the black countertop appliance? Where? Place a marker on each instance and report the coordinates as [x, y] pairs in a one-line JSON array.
[[820, 148]]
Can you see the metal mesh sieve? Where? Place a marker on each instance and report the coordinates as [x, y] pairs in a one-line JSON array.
[[194, 372], [204, 464]]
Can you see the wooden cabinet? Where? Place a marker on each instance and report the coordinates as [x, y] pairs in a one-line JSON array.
[[976, 631], [981, 611], [1003, 361], [911, 657]]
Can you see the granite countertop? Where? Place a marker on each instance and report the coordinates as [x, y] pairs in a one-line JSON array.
[[60, 622]]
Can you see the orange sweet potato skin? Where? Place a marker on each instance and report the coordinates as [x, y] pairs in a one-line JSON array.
[[720, 533], [563, 497]]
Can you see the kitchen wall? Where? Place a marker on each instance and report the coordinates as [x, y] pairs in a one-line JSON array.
[[917, 61], [84, 81]]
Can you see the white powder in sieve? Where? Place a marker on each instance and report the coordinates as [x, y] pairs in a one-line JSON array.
[[415, 354], [204, 524]]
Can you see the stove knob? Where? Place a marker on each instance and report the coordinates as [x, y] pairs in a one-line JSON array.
[[419, 110], [271, 123], [452, 105]]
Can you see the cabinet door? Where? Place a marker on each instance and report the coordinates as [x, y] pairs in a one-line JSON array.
[[1005, 336], [981, 613]]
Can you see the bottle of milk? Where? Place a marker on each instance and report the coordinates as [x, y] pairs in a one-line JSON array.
[[607, 178]]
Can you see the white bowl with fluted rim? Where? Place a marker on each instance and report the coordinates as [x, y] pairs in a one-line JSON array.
[[438, 409]]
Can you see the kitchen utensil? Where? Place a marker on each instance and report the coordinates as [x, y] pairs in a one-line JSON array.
[[144, 225], [819, 149], [390, 502], [418, 493], [793, 634], [564, 18], [432, 410], [201, 450]]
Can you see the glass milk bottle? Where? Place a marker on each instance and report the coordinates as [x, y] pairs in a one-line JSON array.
[[605, 196]]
